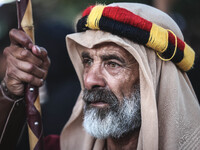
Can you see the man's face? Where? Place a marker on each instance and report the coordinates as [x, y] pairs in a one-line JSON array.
[[111, 95], [110, 67]]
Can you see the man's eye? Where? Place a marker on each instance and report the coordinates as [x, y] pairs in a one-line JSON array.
[[87, 62], [113, 64]]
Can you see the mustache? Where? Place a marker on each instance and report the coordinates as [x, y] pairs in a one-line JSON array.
[[99, 95]]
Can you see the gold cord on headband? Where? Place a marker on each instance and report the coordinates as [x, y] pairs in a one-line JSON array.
[[158, 39], [175, 49]]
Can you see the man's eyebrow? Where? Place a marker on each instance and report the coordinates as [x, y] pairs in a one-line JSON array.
[[112, 56], [85, 55]]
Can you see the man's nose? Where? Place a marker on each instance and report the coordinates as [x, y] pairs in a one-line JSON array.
[[94, 78]]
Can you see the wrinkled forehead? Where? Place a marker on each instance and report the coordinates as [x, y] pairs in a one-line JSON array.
[[105, 49]]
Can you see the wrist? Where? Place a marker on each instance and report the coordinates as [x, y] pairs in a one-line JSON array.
[[8, 93]]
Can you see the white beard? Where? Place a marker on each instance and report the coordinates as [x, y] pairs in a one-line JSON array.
[[114, 123]]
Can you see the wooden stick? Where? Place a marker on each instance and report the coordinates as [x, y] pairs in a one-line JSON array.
[[33, 109]]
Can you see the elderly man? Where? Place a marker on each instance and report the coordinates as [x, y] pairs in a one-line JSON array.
[[131, 61]]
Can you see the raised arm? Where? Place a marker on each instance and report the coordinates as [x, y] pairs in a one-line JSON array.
[[26, 63]]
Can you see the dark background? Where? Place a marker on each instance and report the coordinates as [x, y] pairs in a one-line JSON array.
[[53, 20]]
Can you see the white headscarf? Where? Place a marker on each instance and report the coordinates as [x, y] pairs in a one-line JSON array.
[[169, 107]]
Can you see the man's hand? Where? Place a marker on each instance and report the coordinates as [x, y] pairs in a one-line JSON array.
[[26, 63]]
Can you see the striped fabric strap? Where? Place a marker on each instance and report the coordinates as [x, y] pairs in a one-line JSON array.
[[124, 23]]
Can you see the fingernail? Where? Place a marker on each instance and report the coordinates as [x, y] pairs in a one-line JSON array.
[[38, 48], [30, 45], [42, 80]]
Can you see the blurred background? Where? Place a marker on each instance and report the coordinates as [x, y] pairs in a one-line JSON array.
[[53, 20]]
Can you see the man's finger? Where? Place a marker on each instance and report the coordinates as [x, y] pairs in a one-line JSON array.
[[39, 51], [26, 67], [18, 37], [28, 78], [22, 76], [31, 69], [43, 54], [22, 54], [26, 55]]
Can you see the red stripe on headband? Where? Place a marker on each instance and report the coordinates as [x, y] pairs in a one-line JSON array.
[[125, 16], [171, 38], [87, 11], [180, 43]]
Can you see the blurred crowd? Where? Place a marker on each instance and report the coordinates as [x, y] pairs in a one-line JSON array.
[[62, 85]]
